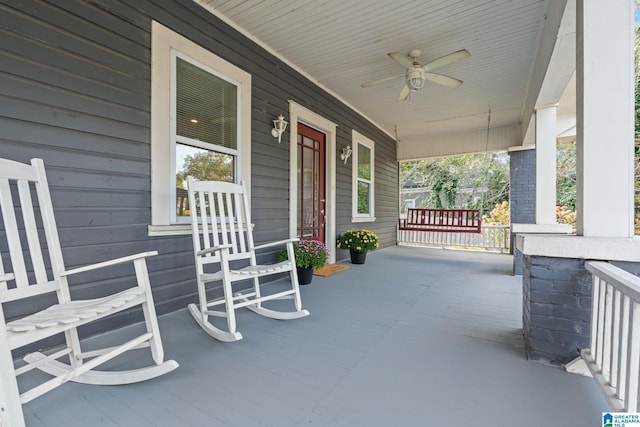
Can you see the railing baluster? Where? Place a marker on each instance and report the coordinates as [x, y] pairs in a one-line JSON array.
[[614, 356], [624, 348], [594, 310], [607, 332], [615, 345], [600, 323], [631, 402]]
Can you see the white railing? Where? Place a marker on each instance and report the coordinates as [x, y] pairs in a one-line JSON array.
[[491, 237], [614, 356]]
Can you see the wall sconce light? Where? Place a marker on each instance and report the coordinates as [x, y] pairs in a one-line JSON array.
[[346, 153], [279, 126]]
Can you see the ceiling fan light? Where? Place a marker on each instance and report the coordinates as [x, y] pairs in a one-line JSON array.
[[415, 83]]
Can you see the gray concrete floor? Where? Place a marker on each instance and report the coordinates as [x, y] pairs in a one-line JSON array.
[[414, 337]]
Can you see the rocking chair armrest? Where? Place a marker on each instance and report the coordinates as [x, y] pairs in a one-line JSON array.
[[6, 277], [213, 249], [108, 263], [278, 243]]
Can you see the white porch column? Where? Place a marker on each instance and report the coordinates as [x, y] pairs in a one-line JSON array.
[[546, 164], [605, 104]]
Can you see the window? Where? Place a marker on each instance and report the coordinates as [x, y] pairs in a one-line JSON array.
[[206, 128], [200, 125], [363, 178]]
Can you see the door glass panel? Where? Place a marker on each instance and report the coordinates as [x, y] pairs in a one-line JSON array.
[[316, 189], [308, 142], [308, 181]]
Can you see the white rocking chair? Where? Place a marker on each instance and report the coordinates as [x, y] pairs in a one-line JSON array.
[[221, 210], [23, 282]]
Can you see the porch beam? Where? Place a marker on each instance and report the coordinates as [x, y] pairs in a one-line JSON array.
[[499, 138]]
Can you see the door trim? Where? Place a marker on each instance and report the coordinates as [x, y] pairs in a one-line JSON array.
[[298, 113]]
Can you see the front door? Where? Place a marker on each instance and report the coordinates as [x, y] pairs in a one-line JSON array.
[[311, 191]]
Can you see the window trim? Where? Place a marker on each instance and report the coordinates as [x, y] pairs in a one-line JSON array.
[[165, 45], [358, 138]]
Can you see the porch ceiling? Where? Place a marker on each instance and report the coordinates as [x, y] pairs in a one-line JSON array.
[[341, 44]]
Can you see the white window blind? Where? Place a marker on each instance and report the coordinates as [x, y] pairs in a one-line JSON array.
[[206, 106]]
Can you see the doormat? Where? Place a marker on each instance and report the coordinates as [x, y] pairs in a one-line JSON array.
[[329, 269]]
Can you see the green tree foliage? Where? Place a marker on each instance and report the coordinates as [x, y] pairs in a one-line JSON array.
[[443, 186], [203, 166], [566, 175], [470, 181], [208, 166], [497, 184], [481, 181], [364, 188]]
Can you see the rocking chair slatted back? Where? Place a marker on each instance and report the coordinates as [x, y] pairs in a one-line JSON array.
[[222, 233], [225, 220], [29, 178]]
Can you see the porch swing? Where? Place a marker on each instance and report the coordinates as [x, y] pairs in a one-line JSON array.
[[447, 220]]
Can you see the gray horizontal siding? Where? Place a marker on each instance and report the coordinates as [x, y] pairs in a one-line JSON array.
[[75, 91]]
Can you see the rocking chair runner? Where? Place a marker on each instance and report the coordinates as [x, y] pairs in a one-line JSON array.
[[26, 281], [221, 209]]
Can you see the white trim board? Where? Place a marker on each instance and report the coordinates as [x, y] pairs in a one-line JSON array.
[[298, 113]]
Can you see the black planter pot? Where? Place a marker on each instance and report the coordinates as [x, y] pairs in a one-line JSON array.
[[305, 274], [357, 257]]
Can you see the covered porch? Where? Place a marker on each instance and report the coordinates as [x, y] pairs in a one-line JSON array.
[[414, 335]]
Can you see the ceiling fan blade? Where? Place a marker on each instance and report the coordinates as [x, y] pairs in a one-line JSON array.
[[442, 80], [404, 93], [447, 59], [384, 80], [401, 58]]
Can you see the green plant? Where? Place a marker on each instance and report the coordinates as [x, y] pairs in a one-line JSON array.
[[308, 253], [358, 240]]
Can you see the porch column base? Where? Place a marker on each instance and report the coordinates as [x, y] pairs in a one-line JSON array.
[[533, 229], [556, 290]]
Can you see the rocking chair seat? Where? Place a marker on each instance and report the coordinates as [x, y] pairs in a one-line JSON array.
[[251, 271], [76, 312]]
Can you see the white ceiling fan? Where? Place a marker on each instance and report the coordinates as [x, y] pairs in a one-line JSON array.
[[416, 74]]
